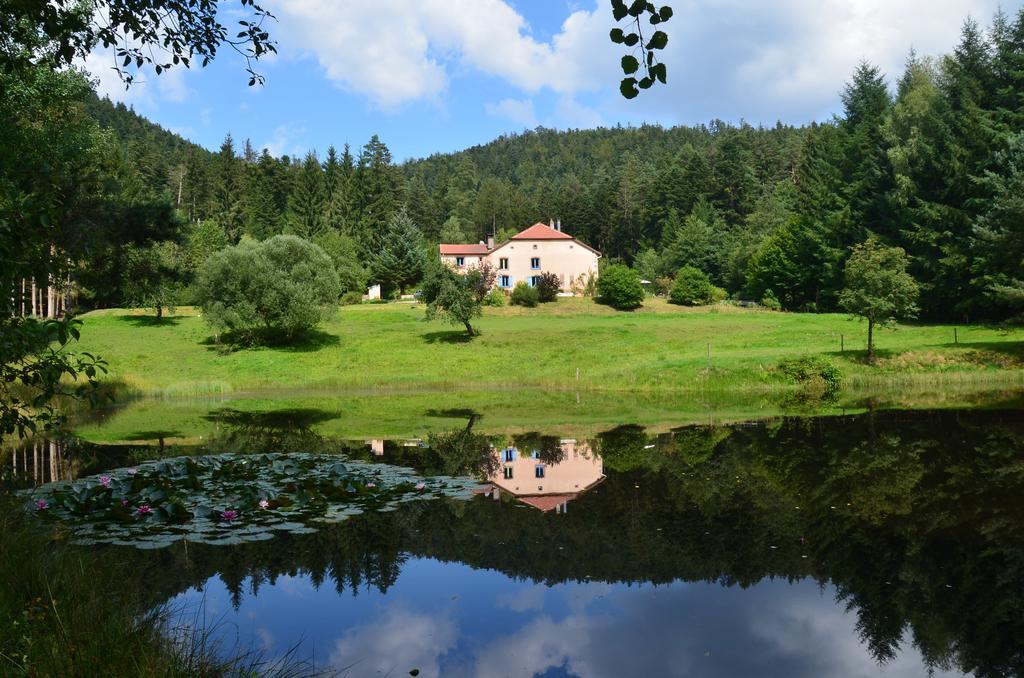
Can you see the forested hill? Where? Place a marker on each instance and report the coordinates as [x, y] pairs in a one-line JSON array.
[[928, 160]]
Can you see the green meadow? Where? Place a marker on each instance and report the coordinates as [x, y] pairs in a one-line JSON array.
[[573, 344]]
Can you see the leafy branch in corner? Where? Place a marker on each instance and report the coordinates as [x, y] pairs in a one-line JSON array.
[[652, 69]]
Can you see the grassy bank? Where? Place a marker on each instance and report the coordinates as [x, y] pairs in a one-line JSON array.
[[659, 348]]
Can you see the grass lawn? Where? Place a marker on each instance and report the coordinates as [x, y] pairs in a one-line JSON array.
[[660, 348]]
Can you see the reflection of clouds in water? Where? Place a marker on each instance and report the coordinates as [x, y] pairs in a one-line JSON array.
[[266, 638], [772, 629], [526, 599], [395, 643], [297, 587]]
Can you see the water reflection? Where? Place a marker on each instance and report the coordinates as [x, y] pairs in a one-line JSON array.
[[810, 546], [545, 472]]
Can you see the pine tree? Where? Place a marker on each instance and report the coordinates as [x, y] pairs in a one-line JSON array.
[[226, 205], [304, 217], [399, 255]]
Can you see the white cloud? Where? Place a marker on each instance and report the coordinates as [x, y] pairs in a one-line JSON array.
[[283, 141], [726, 58], [397, 51], [397, 642], [519, 111]]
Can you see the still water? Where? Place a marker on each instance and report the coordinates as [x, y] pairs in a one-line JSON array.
[[881, 543]]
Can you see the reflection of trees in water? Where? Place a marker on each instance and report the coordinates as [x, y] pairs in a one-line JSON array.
[[282, 430], [916, 518], [463, 451], [549, 449]]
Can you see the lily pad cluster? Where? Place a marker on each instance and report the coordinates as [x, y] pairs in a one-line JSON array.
[[230, 498]]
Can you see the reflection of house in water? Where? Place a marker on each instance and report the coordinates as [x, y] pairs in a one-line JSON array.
[[545, 485]]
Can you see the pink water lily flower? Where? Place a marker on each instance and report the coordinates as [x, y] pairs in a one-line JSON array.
[[105, 481], [42, 504], [420, 486], [229, 515], [124, 502], [371, 484], [264, 503], [143, 510], [132, 471]]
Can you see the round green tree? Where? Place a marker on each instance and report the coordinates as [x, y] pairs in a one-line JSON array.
[[619, 287], [268, 291], [878, 287], [691, 287]]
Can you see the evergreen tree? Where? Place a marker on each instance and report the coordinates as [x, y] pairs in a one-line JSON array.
[[399, 255], [305, 213], [226, 205]]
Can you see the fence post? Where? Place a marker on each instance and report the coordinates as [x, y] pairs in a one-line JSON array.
[[842, 344], [956, 337]]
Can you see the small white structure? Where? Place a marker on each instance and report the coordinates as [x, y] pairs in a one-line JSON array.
[[372, 294]]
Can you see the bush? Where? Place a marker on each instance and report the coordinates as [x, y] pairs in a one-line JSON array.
[[524, 295], [548, 286], [351, 298], [813, 371], [619, 287], [270, 290], [718, 294], [691, 288], [495, 298]]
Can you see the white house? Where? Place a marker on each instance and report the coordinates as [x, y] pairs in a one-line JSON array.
[[539, 249]]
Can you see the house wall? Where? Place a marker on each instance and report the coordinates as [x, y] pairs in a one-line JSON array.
[[565, 258], [471, 260]]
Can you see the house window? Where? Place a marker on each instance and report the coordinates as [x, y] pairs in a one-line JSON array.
[[503, 263], [535, 263], [505, 281], [533, 280], [510, 454], [460, 261], [538, 471], [508, 473]]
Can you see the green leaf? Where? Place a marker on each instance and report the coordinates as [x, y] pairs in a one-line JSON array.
[[631, 39], [619, 9], [658, 40], [628, 88], [637, 8], [617, 36], [665, 13], [630, 64], [645, 83], [660, 72]]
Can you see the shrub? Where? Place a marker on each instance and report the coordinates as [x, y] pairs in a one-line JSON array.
[[691, 288], [351, 298], [548, 286], [813, 371], [270, 290], [495, 298], [524, 295], [770, 301], [619, 287], [718, 294]]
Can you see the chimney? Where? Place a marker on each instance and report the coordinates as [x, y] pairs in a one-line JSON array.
[[490, 242], [558, 225], [551, 222]]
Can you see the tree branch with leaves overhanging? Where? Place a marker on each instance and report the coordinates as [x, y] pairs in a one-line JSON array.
[[652, 70]]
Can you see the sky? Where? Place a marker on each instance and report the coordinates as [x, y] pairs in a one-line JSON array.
[[436, 76]]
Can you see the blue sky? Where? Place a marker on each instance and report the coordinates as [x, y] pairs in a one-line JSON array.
[[441, 75]]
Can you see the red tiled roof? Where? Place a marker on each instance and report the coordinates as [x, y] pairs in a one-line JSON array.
[[547, 502], [541, 232], [464, 249]]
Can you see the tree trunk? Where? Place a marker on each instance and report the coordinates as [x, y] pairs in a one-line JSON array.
[[159, 312], [871, 339], [469, 329], [33, 297]]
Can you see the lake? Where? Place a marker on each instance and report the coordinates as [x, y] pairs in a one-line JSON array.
[[875, 542]]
